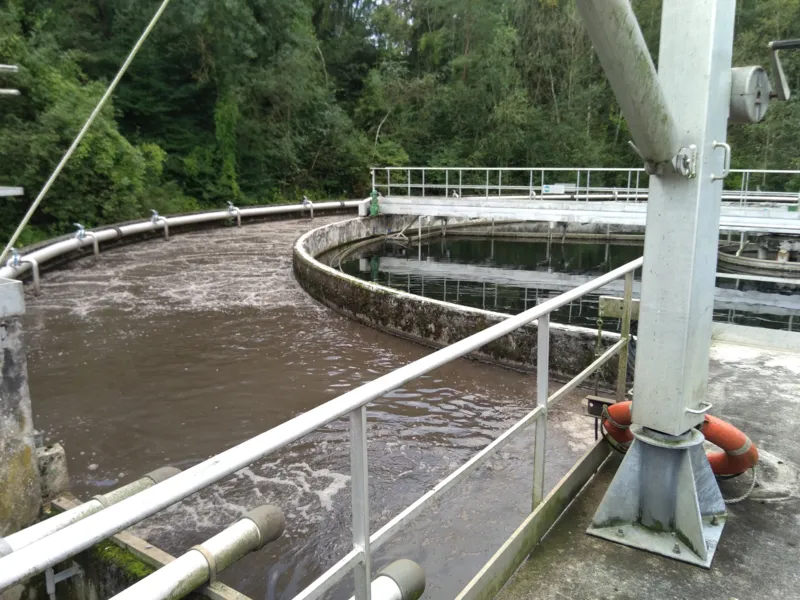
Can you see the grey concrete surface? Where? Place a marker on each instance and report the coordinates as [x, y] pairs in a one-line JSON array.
[[428, 321], [756, 389]]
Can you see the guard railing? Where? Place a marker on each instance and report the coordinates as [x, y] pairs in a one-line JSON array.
[[74, 538], [578, 183]]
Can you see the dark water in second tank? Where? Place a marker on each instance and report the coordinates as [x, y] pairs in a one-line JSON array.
[[510, 275]]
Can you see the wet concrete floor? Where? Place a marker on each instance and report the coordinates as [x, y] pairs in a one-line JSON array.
[[755, 389], [169, 352]]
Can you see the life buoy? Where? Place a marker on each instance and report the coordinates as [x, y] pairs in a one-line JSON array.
[[738, 452]]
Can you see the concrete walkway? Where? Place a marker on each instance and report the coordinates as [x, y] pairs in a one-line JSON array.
[[756, 389]]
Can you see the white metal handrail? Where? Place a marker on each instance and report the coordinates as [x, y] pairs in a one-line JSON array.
[[534, 180], [77, 537]]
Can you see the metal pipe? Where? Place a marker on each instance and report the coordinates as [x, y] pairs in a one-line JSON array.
[[402, 580], [37, 288], [78, 537], [202, 563], [619, 44], [57, 522], [156, 219], [59, 248], [95, 243]]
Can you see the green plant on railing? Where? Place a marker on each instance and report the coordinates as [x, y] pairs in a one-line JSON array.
[[374, 209]]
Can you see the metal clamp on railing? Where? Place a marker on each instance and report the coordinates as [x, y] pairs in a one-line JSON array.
[[156, 219], [41, 530], [16, 261], [202, 563], [235, 212], [82, 234], [310, 205]]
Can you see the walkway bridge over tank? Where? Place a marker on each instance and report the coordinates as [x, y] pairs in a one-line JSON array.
[[757, 200], [535, 282]]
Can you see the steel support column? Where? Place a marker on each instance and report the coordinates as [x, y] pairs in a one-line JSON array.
[[664, 498]]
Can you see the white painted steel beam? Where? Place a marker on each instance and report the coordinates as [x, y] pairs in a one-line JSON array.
[[6, 191], [734, 217], [664, 498]]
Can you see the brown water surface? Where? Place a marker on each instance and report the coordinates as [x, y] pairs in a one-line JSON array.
[[169, 352]]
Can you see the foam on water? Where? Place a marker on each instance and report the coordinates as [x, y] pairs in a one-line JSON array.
[[224, 269], [169, 352]]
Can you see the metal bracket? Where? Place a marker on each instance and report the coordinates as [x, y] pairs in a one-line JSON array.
[[14, 261], [594, 405], [679, 513], [783, 92], [683, 163], [234, 212], [700, 411], [726, 168], [52, 578]]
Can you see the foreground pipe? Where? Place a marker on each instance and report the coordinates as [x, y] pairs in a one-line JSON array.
[[616, 36], [257, 528], [41, 530], [402, 580]]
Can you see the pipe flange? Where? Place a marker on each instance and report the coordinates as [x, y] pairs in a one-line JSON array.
[[212, 562], [162, 474]]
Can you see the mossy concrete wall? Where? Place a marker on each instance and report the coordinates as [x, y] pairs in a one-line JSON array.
[[20, 495], [428, 321]]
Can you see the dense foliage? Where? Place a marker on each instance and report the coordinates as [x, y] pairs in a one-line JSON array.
[[261, 100]]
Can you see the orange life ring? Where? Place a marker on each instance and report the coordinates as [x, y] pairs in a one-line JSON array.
[[738, 455]]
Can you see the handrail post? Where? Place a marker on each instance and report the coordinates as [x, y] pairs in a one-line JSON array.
[[359, 485], [588, 181], [542, 391], [622, 369]]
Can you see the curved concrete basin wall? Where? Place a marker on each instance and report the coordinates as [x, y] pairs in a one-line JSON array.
[[424, 320], [746, 264]]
